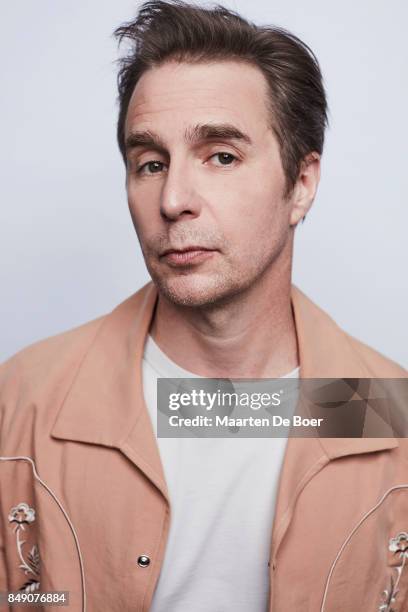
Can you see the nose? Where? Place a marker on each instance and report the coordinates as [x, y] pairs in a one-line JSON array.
[[179, 194]]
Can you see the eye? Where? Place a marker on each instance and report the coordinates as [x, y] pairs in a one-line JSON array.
[[225, 159], [153, 166]]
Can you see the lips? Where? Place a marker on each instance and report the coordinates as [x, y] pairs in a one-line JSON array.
[[186, 249], [188, 256]]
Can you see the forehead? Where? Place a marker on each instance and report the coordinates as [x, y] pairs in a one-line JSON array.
[[179, 93]]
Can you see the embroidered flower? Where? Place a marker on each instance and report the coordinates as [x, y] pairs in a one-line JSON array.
[[399, 543], [22, 514]]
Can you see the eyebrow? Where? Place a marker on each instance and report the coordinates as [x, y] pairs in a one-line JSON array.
[[192, 135]]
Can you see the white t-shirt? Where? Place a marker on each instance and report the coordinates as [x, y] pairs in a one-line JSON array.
[[222, 495]]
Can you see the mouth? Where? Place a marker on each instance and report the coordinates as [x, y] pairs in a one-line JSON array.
[[187, 255]]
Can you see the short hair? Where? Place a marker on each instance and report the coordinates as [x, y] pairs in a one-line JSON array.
[[176, 30]]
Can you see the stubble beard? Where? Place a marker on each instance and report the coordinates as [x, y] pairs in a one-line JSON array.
[[205, 293], [211, 290], [221, 280]]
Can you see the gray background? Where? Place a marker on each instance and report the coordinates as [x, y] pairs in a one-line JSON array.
[[68, 250]]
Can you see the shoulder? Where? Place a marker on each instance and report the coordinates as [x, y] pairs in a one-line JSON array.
[[35, 381], [46, 361], [329, 351], [381, 366]]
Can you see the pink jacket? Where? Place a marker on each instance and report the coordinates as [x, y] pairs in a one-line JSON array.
[[84, 505]]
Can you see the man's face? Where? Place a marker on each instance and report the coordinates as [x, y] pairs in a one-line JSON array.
[[204, 170]]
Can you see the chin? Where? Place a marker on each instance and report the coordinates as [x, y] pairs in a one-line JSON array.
[[195, 292]]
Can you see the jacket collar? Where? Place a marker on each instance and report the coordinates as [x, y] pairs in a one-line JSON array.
[[105, 404], [325, 351]]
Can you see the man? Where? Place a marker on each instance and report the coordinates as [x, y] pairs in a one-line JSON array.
[[221, 127]]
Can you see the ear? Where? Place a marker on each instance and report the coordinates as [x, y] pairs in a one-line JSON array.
[[305, 188]]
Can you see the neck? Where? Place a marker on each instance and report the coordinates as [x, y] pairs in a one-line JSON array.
[[251, 336]]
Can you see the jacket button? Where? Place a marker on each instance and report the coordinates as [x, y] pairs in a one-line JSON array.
[[143, 561]]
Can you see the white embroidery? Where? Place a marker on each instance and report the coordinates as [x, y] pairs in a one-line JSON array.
[[398, 544], [23, 515]]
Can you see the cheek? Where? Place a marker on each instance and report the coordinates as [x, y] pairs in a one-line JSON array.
[[255, 209], [141, 207], [255, 223]]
